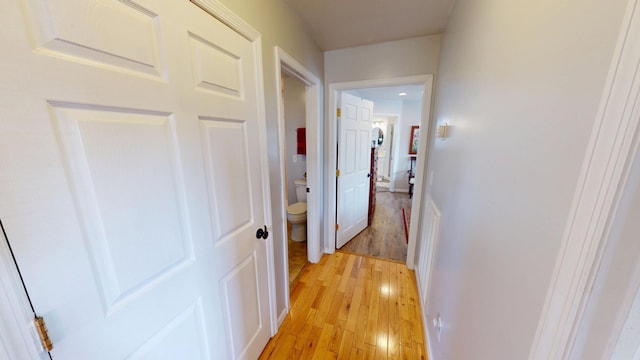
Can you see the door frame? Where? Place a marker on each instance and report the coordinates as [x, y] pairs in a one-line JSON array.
[[606, 165], [313, 109], [331, 138]]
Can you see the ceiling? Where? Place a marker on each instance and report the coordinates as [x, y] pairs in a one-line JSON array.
[[414, 92], [336, 24]]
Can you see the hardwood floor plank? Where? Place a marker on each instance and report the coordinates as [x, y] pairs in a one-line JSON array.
[[306, 330], [334, 310], [311, 343], [377, 316], [383, 313], [346, 274], [406, 352], [347, 301], [284, 347], [330, 356], [394, 313], [345, 345], [296, 291], [357, 353], [361, 330], [336, 338], [318, 297], [322, 345], [354, 309], [372, 323], [419, 352]]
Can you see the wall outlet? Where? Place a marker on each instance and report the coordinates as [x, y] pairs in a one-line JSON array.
[[294, 158], [437, 325]]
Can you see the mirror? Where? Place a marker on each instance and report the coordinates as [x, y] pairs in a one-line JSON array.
[[377, 137]]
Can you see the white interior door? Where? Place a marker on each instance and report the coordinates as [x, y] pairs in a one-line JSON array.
[[130, 182], [354, 163]]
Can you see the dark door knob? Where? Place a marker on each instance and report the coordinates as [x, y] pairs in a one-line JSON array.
[[262, 233], [368, 175]]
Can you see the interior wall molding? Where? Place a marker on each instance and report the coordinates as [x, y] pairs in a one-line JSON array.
[[602, 177]]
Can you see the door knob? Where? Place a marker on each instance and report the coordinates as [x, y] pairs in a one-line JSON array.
[[262, 234], [368, 175]]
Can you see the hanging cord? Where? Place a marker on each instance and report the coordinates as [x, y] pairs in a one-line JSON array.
[[15, 262]]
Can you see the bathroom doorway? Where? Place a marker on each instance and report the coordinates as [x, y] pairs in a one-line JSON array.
[[294, 110], [309, 97]]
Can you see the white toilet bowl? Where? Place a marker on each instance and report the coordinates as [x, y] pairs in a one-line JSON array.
[[297, 217]]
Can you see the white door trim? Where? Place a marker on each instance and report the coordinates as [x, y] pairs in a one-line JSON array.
[[331, 161], [313, 99], [626, 344], [606, 164]]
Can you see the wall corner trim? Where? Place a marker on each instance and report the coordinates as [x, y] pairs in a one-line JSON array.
[[606, 164]]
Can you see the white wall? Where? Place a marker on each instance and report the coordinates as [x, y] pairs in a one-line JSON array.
[[415, 56], [617, 279], [279, 26], [294, 118], [520, 82]]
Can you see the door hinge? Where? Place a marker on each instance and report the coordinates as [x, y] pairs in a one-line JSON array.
[[338, 112], [41, 327], [337, 227], [337, 172]]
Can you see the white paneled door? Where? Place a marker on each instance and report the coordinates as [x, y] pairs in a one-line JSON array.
[[130, 178], [354, 163]]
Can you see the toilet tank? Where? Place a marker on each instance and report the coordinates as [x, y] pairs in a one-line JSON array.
[[301, 190]]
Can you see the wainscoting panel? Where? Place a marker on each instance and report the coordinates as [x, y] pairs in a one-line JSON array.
[[428, 245]]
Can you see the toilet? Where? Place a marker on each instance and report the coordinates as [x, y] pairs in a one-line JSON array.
[[297, 212]]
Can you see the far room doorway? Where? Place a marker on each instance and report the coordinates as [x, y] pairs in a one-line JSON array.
[[404, 167], [392, 160]]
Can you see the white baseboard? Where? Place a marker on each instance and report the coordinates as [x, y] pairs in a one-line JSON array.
[[282, 316]]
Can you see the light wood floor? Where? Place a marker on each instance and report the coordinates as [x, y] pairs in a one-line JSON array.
[[385, 238], [297, 258], [351, 307]]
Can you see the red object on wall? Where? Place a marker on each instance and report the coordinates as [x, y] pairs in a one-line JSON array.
[[302, 141]]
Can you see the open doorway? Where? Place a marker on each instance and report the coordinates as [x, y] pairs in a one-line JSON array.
[[304, 101], [295, 159], [396, 111], [404, 166]]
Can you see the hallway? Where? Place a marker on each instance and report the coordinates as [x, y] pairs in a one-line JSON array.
[[349, 306]]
